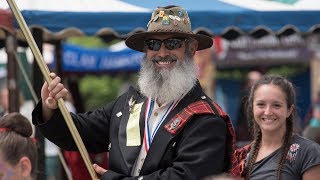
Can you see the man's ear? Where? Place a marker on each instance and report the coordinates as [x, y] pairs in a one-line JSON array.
[[25, 166], [194, 46]]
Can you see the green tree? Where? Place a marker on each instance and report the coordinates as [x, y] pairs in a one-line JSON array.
[[97, 91]]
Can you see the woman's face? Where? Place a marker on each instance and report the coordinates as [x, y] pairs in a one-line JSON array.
[[6, 170], [21, 171], [270, 109]]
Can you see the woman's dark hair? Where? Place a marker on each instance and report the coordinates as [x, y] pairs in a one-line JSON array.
[[15, 141], [288, 89]]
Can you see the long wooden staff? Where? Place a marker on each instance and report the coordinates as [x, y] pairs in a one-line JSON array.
[[45, 71], [35, 99]]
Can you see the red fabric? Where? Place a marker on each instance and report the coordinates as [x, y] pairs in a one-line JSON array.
[[231, 135], [5, 129], [238, 162], [77, 166], [199, 107], [6, 20]]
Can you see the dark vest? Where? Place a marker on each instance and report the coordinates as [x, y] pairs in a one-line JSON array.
[[203, 107]]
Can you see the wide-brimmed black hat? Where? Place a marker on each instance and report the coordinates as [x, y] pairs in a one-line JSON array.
[[172, 20]]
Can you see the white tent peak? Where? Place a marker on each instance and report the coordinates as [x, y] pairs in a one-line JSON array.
[[75, 6]]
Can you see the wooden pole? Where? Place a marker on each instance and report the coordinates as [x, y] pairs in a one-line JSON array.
[[45, 71], [12, 77]]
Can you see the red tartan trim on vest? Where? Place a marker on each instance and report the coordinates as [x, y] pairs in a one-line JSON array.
[[203, 107], [179, 120], [231, 136], [238, 161], [220, 111]]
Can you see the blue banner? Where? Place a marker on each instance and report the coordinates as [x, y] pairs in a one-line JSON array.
[[81, 59]]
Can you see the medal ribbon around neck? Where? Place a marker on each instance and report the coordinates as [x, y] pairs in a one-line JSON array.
[[149, 107]]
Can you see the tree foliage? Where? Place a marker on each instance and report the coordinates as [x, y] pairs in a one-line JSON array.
[[97, 91]]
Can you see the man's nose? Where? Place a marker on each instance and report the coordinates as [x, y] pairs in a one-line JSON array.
[[163, 51]]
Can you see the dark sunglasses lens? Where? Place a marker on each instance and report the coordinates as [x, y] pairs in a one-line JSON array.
[[173, 43], [153, 44]]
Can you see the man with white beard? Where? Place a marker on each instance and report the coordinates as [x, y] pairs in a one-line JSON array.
[[166, 129]]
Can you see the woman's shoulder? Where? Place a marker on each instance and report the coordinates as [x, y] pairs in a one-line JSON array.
[[303, 141], [303, 153], [304, 145]]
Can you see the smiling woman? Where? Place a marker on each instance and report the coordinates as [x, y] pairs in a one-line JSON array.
[[276, 152]]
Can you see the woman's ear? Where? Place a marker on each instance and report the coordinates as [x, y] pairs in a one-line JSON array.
[[25, 167], [290, 110]]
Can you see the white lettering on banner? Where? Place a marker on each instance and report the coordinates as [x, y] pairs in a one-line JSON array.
[[268, 54], [70, 58], [269, 47], [108, 62], [88, 61], [247, 42], [81, 59]]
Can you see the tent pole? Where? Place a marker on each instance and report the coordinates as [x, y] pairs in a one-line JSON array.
[[45, 71], [35, 100], [12, 75]]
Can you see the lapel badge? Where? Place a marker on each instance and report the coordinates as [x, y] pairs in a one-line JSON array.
[[174, 144], [131, 104], [119, 114], [175, 123]]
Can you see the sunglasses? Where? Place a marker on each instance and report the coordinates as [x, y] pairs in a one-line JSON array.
[[170, 43]]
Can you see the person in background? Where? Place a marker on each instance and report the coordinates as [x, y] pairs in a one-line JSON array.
[[168, 128], [309, 114], [18, 152], [276, 151], [312, 130], [243, 135]]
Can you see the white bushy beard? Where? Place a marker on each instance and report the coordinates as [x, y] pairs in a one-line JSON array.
[[167, 85]]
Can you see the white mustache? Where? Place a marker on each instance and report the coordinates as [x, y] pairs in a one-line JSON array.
[[168, 58]]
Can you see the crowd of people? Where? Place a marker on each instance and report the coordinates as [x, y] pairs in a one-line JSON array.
[[167, 127]]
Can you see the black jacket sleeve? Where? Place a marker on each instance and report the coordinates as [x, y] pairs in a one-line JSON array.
[[92, 126]]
